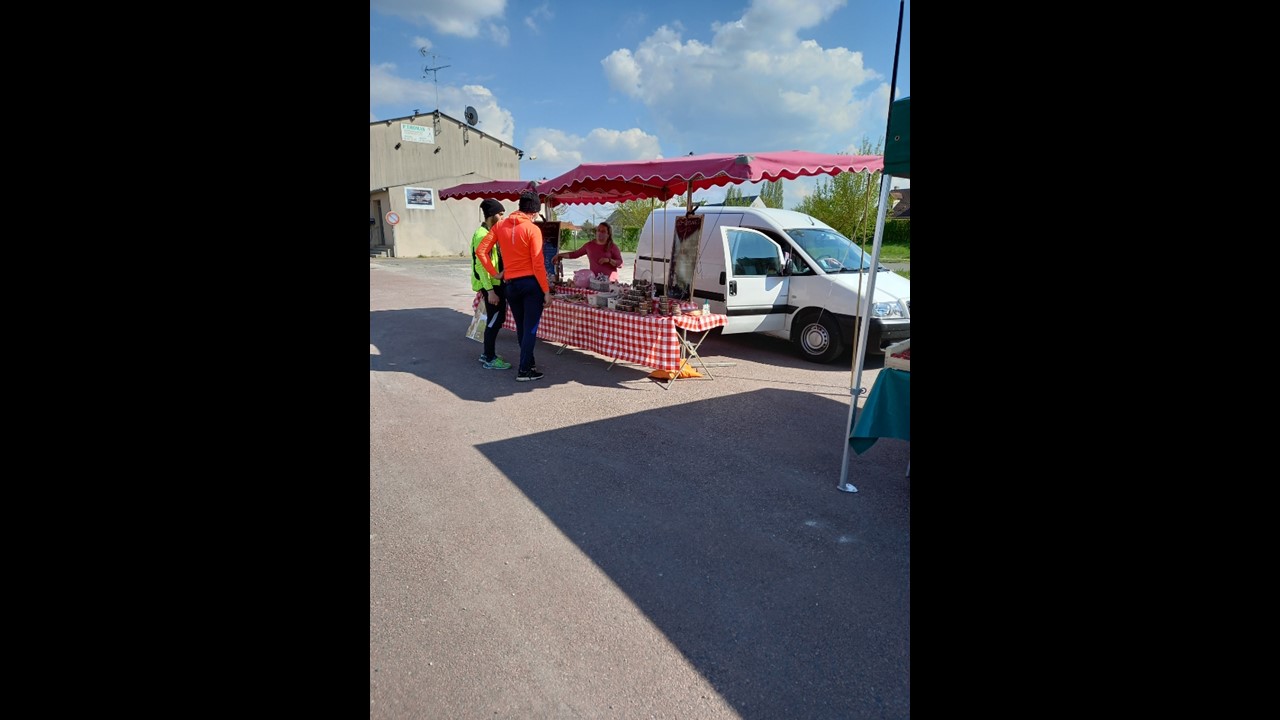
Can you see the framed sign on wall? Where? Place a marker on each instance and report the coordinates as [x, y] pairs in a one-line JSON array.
[[420, 198]]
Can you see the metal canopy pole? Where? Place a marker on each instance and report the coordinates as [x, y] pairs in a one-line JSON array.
[[856, 390], [858, 352]]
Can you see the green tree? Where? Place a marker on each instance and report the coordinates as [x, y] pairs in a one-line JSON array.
[[586, 234], [771, 194], [848, 202], [633, 213], [733, 196]]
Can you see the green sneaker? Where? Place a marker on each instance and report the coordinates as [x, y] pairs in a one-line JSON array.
[[497, 363]]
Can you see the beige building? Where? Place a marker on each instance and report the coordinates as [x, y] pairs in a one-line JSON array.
[[410, 160]]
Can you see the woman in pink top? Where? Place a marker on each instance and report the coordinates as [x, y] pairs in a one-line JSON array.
[[602, 253]]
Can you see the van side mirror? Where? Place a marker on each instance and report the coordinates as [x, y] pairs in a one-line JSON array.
[[721, 277]]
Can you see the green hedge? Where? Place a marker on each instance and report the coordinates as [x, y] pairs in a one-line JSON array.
[[628, 239], [897, 232], [567, 240]]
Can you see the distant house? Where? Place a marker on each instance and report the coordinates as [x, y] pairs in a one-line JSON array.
[[901, 204]]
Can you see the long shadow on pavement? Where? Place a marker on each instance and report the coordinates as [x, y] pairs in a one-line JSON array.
[[431, 343], [721, 522], [791, 597]]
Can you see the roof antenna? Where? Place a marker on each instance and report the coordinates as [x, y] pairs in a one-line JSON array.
[[435, 76]]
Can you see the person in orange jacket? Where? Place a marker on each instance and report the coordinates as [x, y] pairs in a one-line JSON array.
[[524, 275]]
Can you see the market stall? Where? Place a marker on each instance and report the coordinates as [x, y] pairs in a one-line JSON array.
[[665, 342], [510, 190], [666, 178], [656, 341]]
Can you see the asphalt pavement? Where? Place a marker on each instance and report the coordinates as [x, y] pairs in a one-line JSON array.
[[592, 545]]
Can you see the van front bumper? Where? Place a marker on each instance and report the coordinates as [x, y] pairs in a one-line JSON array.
[[884, 331]]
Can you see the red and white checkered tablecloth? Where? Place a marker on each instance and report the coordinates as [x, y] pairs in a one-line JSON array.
[[650, 340]]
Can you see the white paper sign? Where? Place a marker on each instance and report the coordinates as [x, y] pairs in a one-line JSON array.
[[417, 133]]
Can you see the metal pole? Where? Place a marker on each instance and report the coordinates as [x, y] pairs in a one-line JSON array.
[[858, 351]]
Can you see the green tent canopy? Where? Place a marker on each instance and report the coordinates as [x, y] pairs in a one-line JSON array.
[[897, 151]]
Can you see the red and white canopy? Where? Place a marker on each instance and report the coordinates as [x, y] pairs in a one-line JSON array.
[[668, 177]]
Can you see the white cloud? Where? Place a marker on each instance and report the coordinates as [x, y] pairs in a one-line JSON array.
[[495, 120], [500, 34], [758, 77], [623, 72], [753, 83], [388, 90], [540, 16], [558, 151], [450, 17]]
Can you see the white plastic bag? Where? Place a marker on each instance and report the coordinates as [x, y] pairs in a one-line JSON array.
[[475, 330]]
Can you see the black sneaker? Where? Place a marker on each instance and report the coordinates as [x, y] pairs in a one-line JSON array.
[[527, 375]]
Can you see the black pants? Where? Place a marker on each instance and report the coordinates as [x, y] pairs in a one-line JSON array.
[[492, 326], [526, 298]]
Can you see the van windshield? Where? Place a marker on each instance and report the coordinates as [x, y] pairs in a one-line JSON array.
[[832, 251]]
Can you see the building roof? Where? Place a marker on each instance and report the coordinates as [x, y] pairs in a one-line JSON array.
[[472, 128], [902, 209]]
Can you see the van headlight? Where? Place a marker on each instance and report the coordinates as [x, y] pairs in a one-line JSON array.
[[887, 310]]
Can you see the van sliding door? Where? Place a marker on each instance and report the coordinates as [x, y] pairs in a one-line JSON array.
[[755, 292]]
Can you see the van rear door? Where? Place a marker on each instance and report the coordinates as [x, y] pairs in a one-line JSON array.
[[755, 295]]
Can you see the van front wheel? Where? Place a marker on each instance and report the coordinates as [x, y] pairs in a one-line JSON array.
[[819, 339]]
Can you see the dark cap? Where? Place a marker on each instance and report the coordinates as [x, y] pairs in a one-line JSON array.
[[490, 207], [529, 202]]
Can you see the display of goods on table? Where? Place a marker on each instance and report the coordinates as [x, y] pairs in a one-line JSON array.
[[633, 300], [637, 298], [898, 355], [657, 342]]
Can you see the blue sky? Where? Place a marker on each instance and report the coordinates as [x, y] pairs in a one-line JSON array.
[[574, 81]]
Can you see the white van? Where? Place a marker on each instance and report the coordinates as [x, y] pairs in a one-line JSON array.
[[773, 271]]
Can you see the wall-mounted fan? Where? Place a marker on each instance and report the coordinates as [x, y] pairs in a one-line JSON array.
[[471, 116]]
